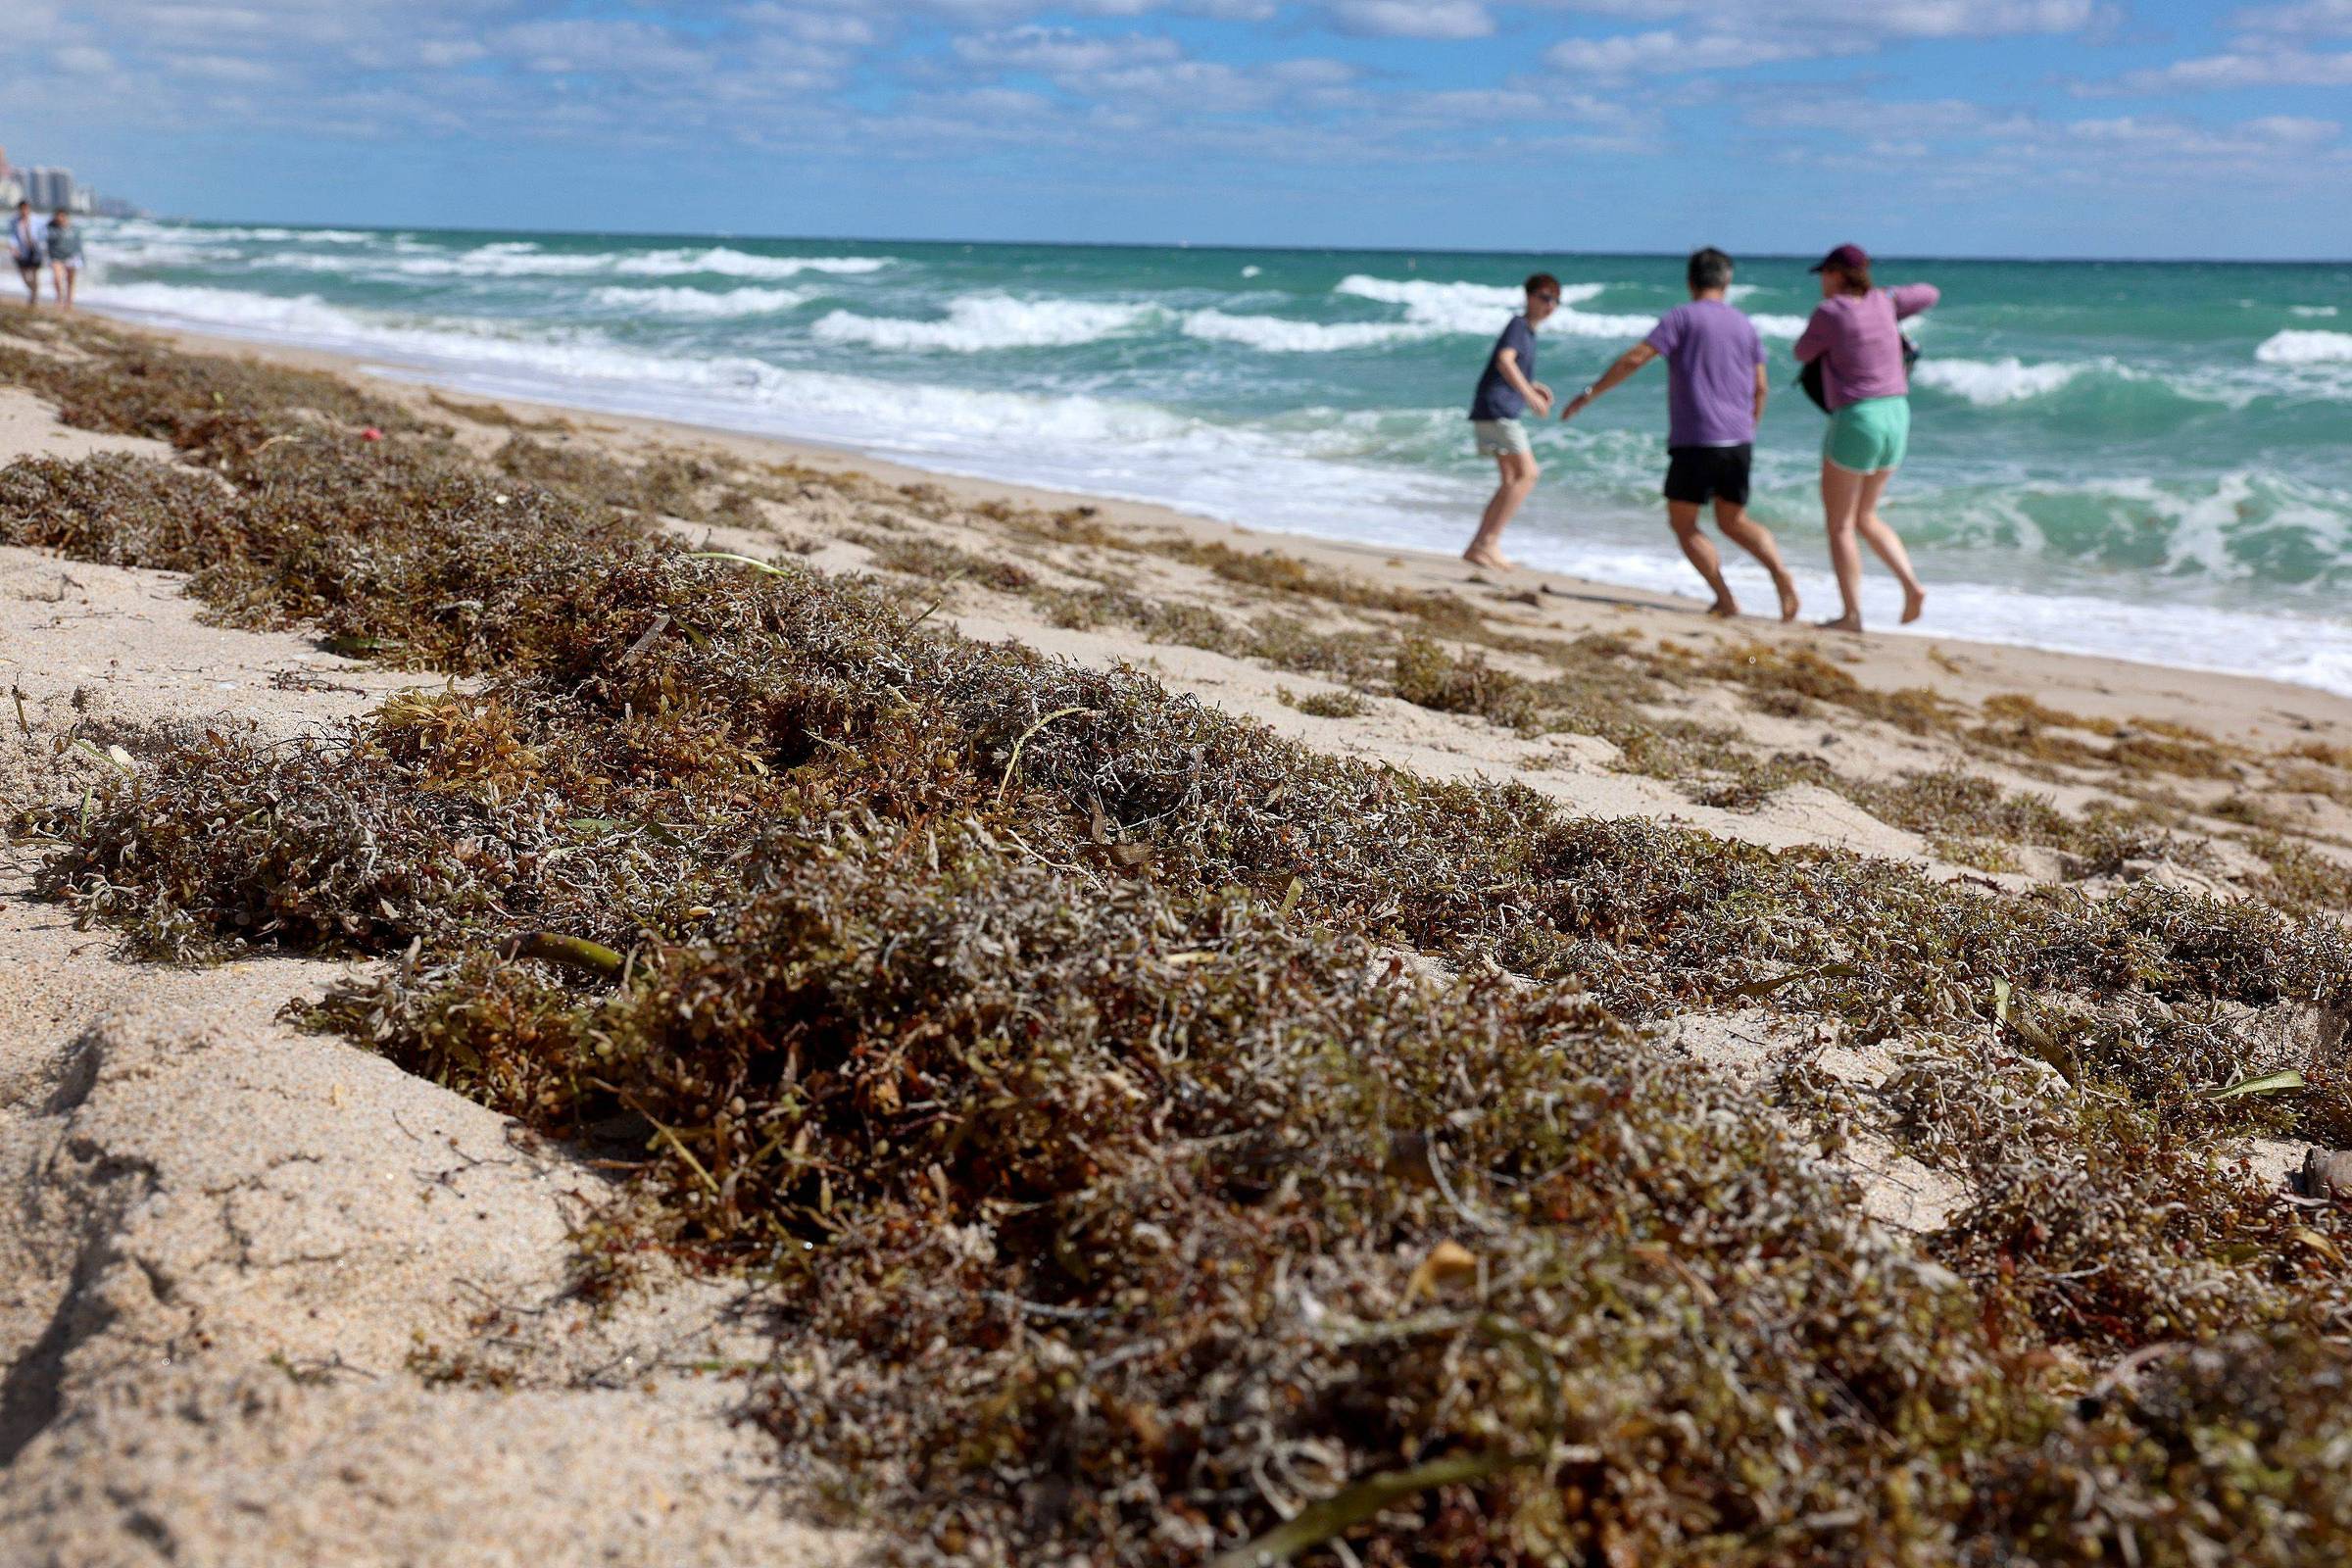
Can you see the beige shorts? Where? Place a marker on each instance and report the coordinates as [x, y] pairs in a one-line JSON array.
[[1501, 438]]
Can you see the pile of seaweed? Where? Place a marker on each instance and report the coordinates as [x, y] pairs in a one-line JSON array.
[[1175, 1145]]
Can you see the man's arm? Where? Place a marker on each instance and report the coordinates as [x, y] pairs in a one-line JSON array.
[[1763, 390], [1536, 392], [1628, 363]]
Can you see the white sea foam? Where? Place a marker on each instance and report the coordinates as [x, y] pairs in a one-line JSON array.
[[503, 260], [727, 261], [2306, 348], [2311, 309], [1395, 477], [1253, 271], [522, 259], [1480, 308], [1275, 334], [977, 324], [694, 302], [576, 364], [1473, 310], [1989, 383]]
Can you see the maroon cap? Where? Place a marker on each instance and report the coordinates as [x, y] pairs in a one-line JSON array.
[[1846, 258]]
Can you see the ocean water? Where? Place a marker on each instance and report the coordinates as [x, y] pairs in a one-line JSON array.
[[2150, 461]]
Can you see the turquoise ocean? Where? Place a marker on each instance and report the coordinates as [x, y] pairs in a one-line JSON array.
[[2148, 461]]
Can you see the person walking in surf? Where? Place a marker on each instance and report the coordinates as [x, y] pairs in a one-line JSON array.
[[63, 242], [1506, 389], [1715, 393], [1866, 390], [24, 251]]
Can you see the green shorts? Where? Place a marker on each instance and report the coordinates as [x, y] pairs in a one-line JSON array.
[[1868, 436]]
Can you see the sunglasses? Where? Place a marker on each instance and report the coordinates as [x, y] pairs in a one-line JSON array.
[[1549, 299]]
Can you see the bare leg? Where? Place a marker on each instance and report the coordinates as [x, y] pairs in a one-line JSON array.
[[1886, 545], [1840, 502], [61, 285], [32, 289], [1518, 471], [1756, 539], [1700, 551]]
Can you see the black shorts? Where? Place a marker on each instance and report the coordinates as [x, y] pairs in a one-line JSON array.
[[1697, 474]]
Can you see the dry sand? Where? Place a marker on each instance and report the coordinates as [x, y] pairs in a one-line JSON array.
[[264, 1300]]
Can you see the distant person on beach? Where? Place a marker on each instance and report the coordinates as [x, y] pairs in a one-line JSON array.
[[1715, 392], [1505, 390], [24, 250], [1868, 394], [63, 244]]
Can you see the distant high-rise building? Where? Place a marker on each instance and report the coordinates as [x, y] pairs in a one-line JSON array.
[[49, 188]]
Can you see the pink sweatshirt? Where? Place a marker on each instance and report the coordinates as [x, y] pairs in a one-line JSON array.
[[1865, 349]]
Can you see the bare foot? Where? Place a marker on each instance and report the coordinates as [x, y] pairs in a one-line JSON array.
[[1786, 586], [1915, 603], [1852, 623], [1725, 608], [1487, 558]]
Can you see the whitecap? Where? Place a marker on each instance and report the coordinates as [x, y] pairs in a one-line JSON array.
[[695, 302], [724, 261], [1274, 335], [977, 324], [2306, 348], [1988, 383]]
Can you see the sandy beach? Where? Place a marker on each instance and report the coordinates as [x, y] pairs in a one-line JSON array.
[[272, 1299]]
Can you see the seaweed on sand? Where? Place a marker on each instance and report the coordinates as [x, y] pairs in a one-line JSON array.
[[1061, 1045]]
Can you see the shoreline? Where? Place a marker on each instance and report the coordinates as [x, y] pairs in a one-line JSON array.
[[1910, 654]]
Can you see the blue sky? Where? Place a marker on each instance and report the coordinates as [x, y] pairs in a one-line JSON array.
[[2043, 128]]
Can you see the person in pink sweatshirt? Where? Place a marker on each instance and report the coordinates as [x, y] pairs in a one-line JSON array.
[[1867, 393]]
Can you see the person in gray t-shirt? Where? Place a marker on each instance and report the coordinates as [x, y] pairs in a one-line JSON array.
[[63, 244], [1715, 393], [1506, 388]]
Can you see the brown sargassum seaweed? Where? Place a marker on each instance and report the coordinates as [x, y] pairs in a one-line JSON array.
[[1072, 1058]]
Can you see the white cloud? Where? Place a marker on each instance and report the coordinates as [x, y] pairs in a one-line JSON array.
[[1669, 53], [2261, 141], [1902, 18], [1720, 38], [1413, 18], [2256, 65], [2310, 18], [633, 49], [1058, 51]]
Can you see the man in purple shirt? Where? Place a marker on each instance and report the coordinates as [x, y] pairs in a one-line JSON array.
[[1715, 392]]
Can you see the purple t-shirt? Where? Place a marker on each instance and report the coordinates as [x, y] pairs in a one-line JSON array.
[[1865, 348], [1711, 351]]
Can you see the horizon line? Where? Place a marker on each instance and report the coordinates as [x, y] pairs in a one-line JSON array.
[[1251, 246]]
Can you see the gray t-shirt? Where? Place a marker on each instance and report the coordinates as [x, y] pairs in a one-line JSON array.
[[1496, 398], [64, 244]]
